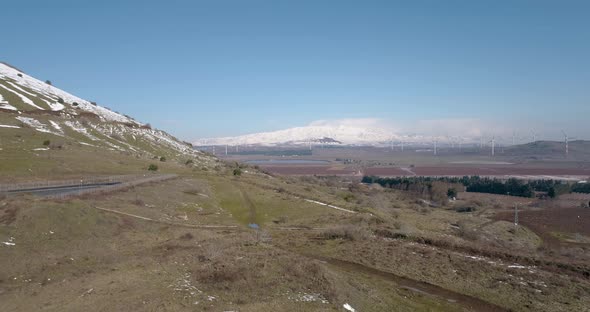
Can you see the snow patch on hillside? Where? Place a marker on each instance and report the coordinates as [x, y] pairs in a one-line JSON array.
[[37, 125], [25, 99], [11, 75], [78, 127], [4, 104]]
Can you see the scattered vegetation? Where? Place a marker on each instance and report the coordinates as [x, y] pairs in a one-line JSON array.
[[153, 167]]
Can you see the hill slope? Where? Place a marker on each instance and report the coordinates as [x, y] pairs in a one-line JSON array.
[[33, 112]]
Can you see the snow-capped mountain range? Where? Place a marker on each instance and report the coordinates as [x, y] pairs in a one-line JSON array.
[[345, 135]]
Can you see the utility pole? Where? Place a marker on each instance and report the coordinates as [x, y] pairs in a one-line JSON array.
[[516, 215]]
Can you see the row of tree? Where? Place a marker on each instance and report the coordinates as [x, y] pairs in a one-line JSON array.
[[511, 186]]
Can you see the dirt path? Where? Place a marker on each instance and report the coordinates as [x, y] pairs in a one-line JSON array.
[[251, 207], [468, 302], [194, 226]]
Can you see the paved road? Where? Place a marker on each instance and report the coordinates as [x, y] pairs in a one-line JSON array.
[[60, 190]]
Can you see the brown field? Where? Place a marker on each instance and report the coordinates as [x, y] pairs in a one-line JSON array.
[[547, 220], [309, 170], [427, 171]]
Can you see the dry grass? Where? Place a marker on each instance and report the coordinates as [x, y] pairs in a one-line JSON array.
[[347, 232]]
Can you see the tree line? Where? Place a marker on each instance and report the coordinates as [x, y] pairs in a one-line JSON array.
[[512, 186]]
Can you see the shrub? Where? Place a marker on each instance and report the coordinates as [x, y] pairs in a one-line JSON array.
[[94, 103], [162, 158], [452, 193], [237, 172], [189, 162], [46, 142], [153, 167], [60, 100], [349, 232], [20, 75], [48, 82], [75, 104]]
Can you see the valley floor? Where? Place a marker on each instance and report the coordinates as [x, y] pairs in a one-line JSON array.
[[209, 240]]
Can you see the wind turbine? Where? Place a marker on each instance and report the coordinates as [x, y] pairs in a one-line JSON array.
[[391, 141], [513, 138], [567, 147], [435, 142], [493, 141]]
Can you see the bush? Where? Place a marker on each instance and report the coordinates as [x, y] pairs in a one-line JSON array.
[[75, 104], [162, 158], [189, 162], [153, 167], [349, 232], [237, 172], [48, 82], [46, 142], [452, 193], [60, 100]]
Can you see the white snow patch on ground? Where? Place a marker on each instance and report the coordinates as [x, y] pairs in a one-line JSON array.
[[36, 124], [56, 106], [20, 89], [8, 126], [516, 266], [78, 127], [10, 242], [8, 73], [41, 149], [4, 104], [328, 205], [84, 143], [305, 297], [55, 125], [348, 307], [25, 99]]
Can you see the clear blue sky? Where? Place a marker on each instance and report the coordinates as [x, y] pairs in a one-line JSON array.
[[212, 68]]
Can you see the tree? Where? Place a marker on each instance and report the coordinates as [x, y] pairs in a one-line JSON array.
[[153, 167], [551, 193], [48, 82], [452, 193]]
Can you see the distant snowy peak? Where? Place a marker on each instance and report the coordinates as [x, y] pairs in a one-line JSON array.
[[38, 95], [304, 135]]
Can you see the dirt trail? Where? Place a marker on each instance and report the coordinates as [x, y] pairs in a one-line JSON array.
[[194, 226], [468, 302], [251, 207]]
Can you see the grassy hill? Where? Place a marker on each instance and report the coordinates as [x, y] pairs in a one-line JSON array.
[[45, 131]]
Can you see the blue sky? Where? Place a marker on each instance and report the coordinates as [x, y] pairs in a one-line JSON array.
[[216, 68]]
